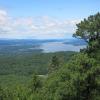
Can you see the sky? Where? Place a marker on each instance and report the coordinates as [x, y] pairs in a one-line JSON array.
[[43, 19]]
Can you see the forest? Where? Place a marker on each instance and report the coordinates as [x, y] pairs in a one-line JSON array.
[[65, 75], [19, 68]]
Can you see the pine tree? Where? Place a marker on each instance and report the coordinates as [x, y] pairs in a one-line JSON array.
[[89, 30], [54, 64]]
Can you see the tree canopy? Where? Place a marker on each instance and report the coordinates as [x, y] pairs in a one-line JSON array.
[[89, 29]]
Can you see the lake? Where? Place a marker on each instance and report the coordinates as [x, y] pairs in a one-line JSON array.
[[60, 46], [45, 46]]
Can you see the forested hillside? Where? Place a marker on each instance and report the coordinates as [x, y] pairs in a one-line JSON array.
[[18, 68], [77, 79]]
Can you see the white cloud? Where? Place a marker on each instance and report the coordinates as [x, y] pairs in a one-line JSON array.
[[3, 17], [34, 27]]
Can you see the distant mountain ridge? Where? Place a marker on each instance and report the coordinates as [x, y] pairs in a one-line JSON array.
[[67, 41]]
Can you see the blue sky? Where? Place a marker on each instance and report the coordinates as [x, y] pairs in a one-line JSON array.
[[43, 18]]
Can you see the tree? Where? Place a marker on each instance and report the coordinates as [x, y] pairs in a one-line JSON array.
[[54, 64], [77, 80], [1, 93], [35, 83], [89, 30]]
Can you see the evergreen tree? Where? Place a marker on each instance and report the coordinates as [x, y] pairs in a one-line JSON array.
[[54, 64], [89, 30], [35, 83]]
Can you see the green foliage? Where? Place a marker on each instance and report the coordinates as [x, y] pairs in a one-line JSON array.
[[89, 30], [18, 69], [55, 63], [28, 64], [16, 81], [79, 79], [36, 83], [75, 81]]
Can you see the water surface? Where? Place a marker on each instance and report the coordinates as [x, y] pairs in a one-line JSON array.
[[60, 46]]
